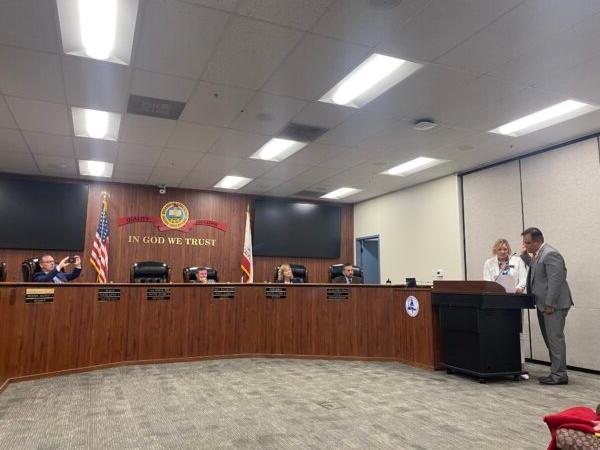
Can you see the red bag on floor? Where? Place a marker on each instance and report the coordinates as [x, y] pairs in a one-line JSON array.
[[579, 418]]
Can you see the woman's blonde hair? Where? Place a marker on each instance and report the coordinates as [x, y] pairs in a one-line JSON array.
[[499, 243], [280, 271]]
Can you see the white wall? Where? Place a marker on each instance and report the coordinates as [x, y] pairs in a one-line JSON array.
[[419, 230]]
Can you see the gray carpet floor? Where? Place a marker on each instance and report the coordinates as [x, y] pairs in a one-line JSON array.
[[283, 404]]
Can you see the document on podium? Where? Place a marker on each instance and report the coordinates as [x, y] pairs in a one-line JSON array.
[[507, 282]]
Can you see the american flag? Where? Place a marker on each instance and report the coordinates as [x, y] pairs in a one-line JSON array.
[[99, 258]]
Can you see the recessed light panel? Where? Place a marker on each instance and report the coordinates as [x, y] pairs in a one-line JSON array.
[[341, 193], [98, 29], [370, 79], [96, 124], [277, 149], [546, 117], [233, 182], [413, 166], [95, 168]]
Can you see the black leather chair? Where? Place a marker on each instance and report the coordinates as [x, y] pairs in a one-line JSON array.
[[337, 270], [2, 272], [150, 272], [29, 267], [298, 271], [189, 273]]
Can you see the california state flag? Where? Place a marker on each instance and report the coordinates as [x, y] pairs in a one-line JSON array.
[[247, 263]]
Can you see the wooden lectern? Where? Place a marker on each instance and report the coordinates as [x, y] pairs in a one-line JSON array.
[[480, 325]]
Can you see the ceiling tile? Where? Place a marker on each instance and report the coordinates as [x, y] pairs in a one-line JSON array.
[[129, 178], [260, 186], [6, 120], [267, 114], [362, 23], [124, 170], [168, 176], [217, 105], [300, 14], [226, 5], [238, 144], [30, 74], [190, 136], [96, 84], [56, 165], [217, 163], [12, 141], [95, 149], [346, 160], [177, 38], [441, 26], [315, 175], [285, 171], [326, 115], [314, 154], [251, 168], [142, 155], [201, 179], [288, 188], [17, 162], [39, 116], [145, 130], [166, 87], [532, 22], [49, 144], [179, 159], [249, 52], [354, 130], [29, 24], [314, 67]]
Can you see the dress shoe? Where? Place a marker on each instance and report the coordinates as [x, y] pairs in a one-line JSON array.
[[553, 381]]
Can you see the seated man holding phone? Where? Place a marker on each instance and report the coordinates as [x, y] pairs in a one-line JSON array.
[[51, 272]]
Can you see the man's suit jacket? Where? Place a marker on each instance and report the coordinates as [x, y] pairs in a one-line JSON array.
[[43, 277], [353, 280], [547, 279]]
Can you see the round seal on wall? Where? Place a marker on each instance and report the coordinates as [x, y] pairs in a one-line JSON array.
[[174, 215], [412, 306]]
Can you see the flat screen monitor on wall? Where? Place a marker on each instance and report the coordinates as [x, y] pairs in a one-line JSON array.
[[39, 214], [296, 229]]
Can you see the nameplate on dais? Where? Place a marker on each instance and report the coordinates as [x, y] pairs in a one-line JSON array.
[[109, 294], [275, 292], [342, 293], [159, 293], [223, 293], [39, 295]]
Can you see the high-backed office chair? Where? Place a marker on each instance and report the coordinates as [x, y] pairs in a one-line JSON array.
[[29, 267], [2, 271], [150, 272], [337, 270], [189, 274], [298, 271]]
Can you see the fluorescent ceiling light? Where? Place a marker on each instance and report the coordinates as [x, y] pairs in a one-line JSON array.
[[547, 117], [98, 29], [413, 166], [233, 182], [278, 149], [370, 79], [341, 193], [95, 168], [96, 124]]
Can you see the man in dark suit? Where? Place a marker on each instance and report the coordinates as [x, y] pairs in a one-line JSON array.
[[51, 272], [547, 281], [347, 276]]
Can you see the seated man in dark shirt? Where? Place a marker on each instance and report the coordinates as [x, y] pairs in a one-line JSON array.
[[51, 271], [202, 277], [347, 276]]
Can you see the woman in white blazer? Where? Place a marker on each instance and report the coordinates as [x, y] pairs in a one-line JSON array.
[[505, 263]]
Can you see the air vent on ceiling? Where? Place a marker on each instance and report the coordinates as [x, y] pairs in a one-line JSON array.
[[155, 107], [310, 194], [301, 133]]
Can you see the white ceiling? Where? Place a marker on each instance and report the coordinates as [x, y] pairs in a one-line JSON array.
[[248, 67]]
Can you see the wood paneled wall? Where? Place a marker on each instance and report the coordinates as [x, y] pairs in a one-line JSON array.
[[135, 200]]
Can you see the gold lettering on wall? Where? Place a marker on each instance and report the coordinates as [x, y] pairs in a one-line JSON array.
[[160, 240]]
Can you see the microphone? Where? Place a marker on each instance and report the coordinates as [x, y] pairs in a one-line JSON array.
[[506, 266]]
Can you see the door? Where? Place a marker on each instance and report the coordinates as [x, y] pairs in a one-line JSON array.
[[367, 257]]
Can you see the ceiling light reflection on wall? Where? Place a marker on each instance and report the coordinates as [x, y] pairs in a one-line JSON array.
[[95, 168], [98, 29], [96, 124], [341, 193], [233, 182], [370, 79], [546, 117], [277, 149], [413, 166]]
